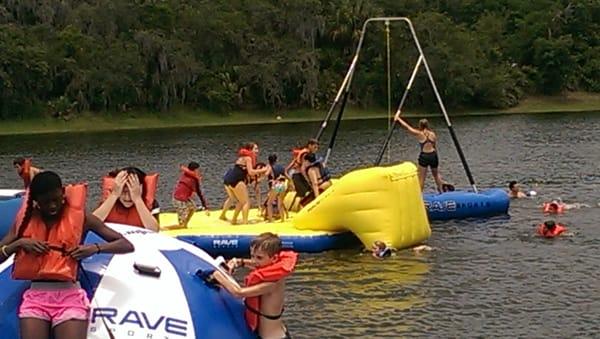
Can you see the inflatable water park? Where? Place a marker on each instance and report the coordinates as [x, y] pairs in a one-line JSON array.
[[377, 203]]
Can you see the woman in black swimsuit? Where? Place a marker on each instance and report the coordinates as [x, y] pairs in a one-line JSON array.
[[235, 182], [428, 156]]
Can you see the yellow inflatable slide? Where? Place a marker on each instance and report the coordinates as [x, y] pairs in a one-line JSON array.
[[377, 203]]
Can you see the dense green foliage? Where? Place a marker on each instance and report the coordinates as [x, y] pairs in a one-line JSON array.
[[60, 56]]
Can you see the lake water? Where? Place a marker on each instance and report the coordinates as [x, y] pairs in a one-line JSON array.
[[486, 278]]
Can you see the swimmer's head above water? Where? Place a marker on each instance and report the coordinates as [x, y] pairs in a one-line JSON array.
[[380, 249]]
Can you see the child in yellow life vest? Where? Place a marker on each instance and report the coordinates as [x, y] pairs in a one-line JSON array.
[[47, 243], [265, 285]]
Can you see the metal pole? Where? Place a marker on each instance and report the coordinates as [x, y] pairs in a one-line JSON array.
[[391, 131], [389, 82], [336, 100]]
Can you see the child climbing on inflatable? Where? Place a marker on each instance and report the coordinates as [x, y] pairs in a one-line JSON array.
[[47, 242], [128, 197], [264, 286], [25, 170], [188, 185]]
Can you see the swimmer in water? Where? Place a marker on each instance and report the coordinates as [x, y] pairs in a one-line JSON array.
[[558, 206], [551, 229], [514, 191], [380, 250]]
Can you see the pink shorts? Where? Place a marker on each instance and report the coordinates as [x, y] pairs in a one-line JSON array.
[[55, 306]]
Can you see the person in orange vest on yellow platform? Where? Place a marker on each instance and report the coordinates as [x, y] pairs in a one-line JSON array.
[[129, 198]]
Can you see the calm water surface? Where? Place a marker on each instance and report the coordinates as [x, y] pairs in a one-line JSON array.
[[486, 278]]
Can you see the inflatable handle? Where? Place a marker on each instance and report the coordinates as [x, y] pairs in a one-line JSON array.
[[152, 271], [206, 276]]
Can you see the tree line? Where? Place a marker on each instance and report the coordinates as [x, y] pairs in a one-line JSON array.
[[66, 56]]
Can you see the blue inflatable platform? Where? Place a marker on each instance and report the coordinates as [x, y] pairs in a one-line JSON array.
[[463, 204]]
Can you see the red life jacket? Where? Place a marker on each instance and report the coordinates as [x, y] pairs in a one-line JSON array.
[[243, 152], [546, 233], [548, 207], [298, 155], [186, 185], [272, 273], [129, 216], [62, 237], [25, 173]]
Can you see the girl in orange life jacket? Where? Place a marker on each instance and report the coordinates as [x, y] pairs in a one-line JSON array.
[[236, 179], [550, 229], [188, 185], [428, 158], [127, 201], [265, 284], [25, 170], [47, 242]]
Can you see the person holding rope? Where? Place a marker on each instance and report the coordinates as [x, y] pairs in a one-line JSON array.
[[428, 158]]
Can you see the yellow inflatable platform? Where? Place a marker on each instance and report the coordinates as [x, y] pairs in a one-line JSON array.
[[378, 203]]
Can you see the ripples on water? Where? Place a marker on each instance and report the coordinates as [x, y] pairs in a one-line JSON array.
[[486, 278]]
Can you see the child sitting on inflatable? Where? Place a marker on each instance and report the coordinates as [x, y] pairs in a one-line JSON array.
[[550, 229], [265, 285], [128, 198], [25, 170], [47, 242], [188, 185]]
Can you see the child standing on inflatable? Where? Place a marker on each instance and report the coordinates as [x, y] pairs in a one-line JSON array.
[[128, 198], [46, 241], [25, 170], [265, 285], [188, 185], [277, 188], [428, 158]]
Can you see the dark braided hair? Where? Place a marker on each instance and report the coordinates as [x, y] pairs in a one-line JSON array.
[[42, 183]]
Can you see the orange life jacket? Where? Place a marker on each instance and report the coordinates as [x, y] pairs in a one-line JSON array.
[[62, 237], [25, 173], [274, 272], [243, 152], [548, 207], [130, 216], [546, 233], [190, 173], [298, 156]]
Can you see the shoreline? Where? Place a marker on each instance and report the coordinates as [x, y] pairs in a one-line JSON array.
[[575, 102]]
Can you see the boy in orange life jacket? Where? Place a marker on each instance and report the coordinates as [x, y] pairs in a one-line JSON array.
[[265, 285], [188, 185], [25, 170], [129, 198], [47, 243]]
